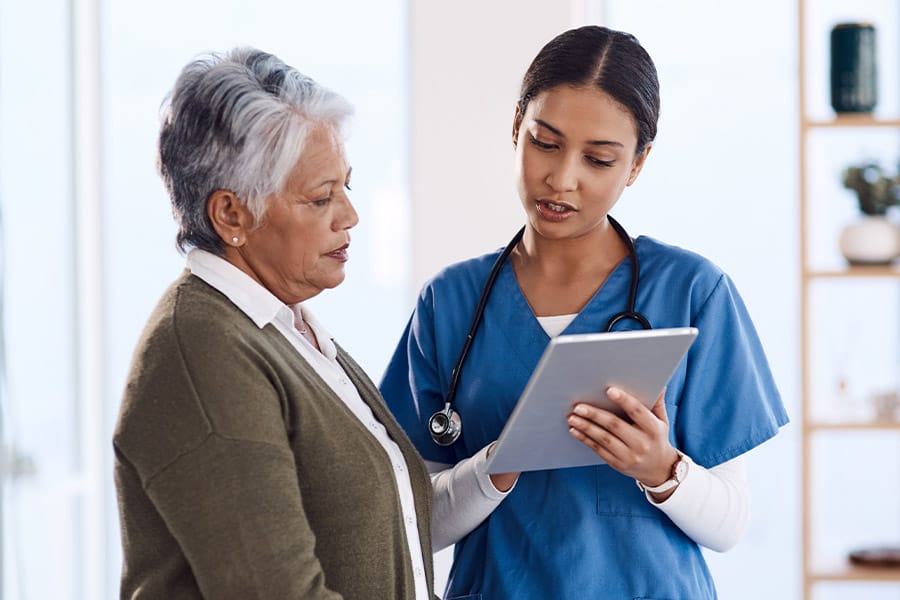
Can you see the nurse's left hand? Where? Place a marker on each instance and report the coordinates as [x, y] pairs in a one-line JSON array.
[[639, 449]]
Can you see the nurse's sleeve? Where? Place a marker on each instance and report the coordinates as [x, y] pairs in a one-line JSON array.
[[463, 498], [712, 506], [463, 493], [729, 403], [411, 384]]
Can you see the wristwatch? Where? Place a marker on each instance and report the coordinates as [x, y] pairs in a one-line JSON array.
[[679, 472]]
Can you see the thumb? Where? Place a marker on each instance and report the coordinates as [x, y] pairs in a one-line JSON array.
[[659, 407]]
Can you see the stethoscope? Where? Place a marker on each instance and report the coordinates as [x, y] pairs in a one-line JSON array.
[[445, 426]]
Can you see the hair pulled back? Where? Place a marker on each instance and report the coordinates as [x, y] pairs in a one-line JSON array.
[[612, 61]]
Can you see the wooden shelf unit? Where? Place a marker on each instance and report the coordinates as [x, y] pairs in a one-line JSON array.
[[828, 425], [849, 121], [839, 570], [854, 272]]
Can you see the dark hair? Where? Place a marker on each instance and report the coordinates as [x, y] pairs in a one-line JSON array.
[[613, 61]]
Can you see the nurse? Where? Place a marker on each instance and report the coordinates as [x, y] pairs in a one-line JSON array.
[[674, 479]]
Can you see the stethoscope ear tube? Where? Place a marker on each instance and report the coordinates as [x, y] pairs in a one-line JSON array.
[[441, 424], [629, 312], [626, 315], [479, 312]]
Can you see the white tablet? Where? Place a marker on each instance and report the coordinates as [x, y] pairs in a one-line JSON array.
[[579, 368]]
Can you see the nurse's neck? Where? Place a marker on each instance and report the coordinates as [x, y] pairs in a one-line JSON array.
[[559, 276], [564, 259]]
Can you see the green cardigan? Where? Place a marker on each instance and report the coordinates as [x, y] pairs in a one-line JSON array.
[[241, 474]]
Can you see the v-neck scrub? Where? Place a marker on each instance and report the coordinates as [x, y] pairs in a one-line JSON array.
[[588, 531]]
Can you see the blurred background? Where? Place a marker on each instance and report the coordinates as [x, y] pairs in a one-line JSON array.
[[746, 170]]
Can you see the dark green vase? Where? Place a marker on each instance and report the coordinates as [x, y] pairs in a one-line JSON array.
[[854, 85]]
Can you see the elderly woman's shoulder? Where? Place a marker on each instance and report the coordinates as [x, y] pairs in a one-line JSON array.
[[192, 311]]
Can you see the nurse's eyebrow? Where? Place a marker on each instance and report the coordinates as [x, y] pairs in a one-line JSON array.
[[556, 131]]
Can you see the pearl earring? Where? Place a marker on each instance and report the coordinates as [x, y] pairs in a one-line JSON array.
[[235, 240]]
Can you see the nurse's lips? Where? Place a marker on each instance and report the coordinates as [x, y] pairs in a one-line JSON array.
[[340, 254], [555, 211]]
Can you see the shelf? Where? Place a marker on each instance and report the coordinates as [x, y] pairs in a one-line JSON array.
[[855, 271], [824, 425], [850, 572], [851, 120], [823, 139]]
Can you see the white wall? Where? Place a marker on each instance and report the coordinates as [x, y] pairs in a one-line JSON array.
[[467, 61]]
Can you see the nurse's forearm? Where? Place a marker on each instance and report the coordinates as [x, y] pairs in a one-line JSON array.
[[463, 497], [712, 506]]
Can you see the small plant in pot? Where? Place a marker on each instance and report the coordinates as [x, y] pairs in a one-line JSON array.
[[874, 239], [876, 191]]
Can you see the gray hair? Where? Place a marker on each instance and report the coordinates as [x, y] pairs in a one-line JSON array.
[[236, 121]]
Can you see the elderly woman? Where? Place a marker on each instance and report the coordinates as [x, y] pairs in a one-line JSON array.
[[254, 458]]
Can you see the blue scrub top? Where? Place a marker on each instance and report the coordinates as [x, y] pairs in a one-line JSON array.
[[585, 532]]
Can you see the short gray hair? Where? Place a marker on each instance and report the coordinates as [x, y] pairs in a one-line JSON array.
[[236, 121]]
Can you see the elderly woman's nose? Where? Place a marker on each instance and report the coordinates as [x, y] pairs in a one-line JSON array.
[[347, 217]]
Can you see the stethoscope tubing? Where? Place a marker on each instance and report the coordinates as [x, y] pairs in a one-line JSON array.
[[478, 315]]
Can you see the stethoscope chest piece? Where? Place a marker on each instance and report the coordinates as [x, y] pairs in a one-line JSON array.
[[445, 426]]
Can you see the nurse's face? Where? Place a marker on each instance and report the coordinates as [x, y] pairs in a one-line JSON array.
[[575, 154], [301, 246]]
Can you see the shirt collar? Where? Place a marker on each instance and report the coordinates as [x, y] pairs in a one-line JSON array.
[[253, 299], [258, 303]]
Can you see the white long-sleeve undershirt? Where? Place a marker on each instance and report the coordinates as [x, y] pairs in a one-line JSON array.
[[711, 506], [464, 496]]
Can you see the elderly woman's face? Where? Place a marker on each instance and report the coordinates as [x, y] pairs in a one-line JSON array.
[[301, 247]]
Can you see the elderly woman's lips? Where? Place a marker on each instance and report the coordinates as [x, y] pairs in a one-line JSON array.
[[340, 254]]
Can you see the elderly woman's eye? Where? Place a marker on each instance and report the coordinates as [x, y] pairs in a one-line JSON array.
[[322, 201]]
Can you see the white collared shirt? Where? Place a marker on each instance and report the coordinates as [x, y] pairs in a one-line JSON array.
[[263, 308]]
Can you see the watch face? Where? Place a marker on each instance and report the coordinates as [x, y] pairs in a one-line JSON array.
[[681, 468]]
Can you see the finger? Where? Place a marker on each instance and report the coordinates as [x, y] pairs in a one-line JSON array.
[[659, 408], [611, 423], [606, 421], [623, 446], [599, 449], [639, 414], [598, 436]]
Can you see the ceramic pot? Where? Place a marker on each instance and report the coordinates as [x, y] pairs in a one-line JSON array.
[[873, 240]]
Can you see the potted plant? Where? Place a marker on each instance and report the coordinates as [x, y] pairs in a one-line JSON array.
[[874, 239]]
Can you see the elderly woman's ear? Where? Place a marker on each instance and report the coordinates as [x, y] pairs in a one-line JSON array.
[[229, 217]]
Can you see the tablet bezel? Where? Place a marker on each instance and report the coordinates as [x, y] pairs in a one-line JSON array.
[[580, 367]]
